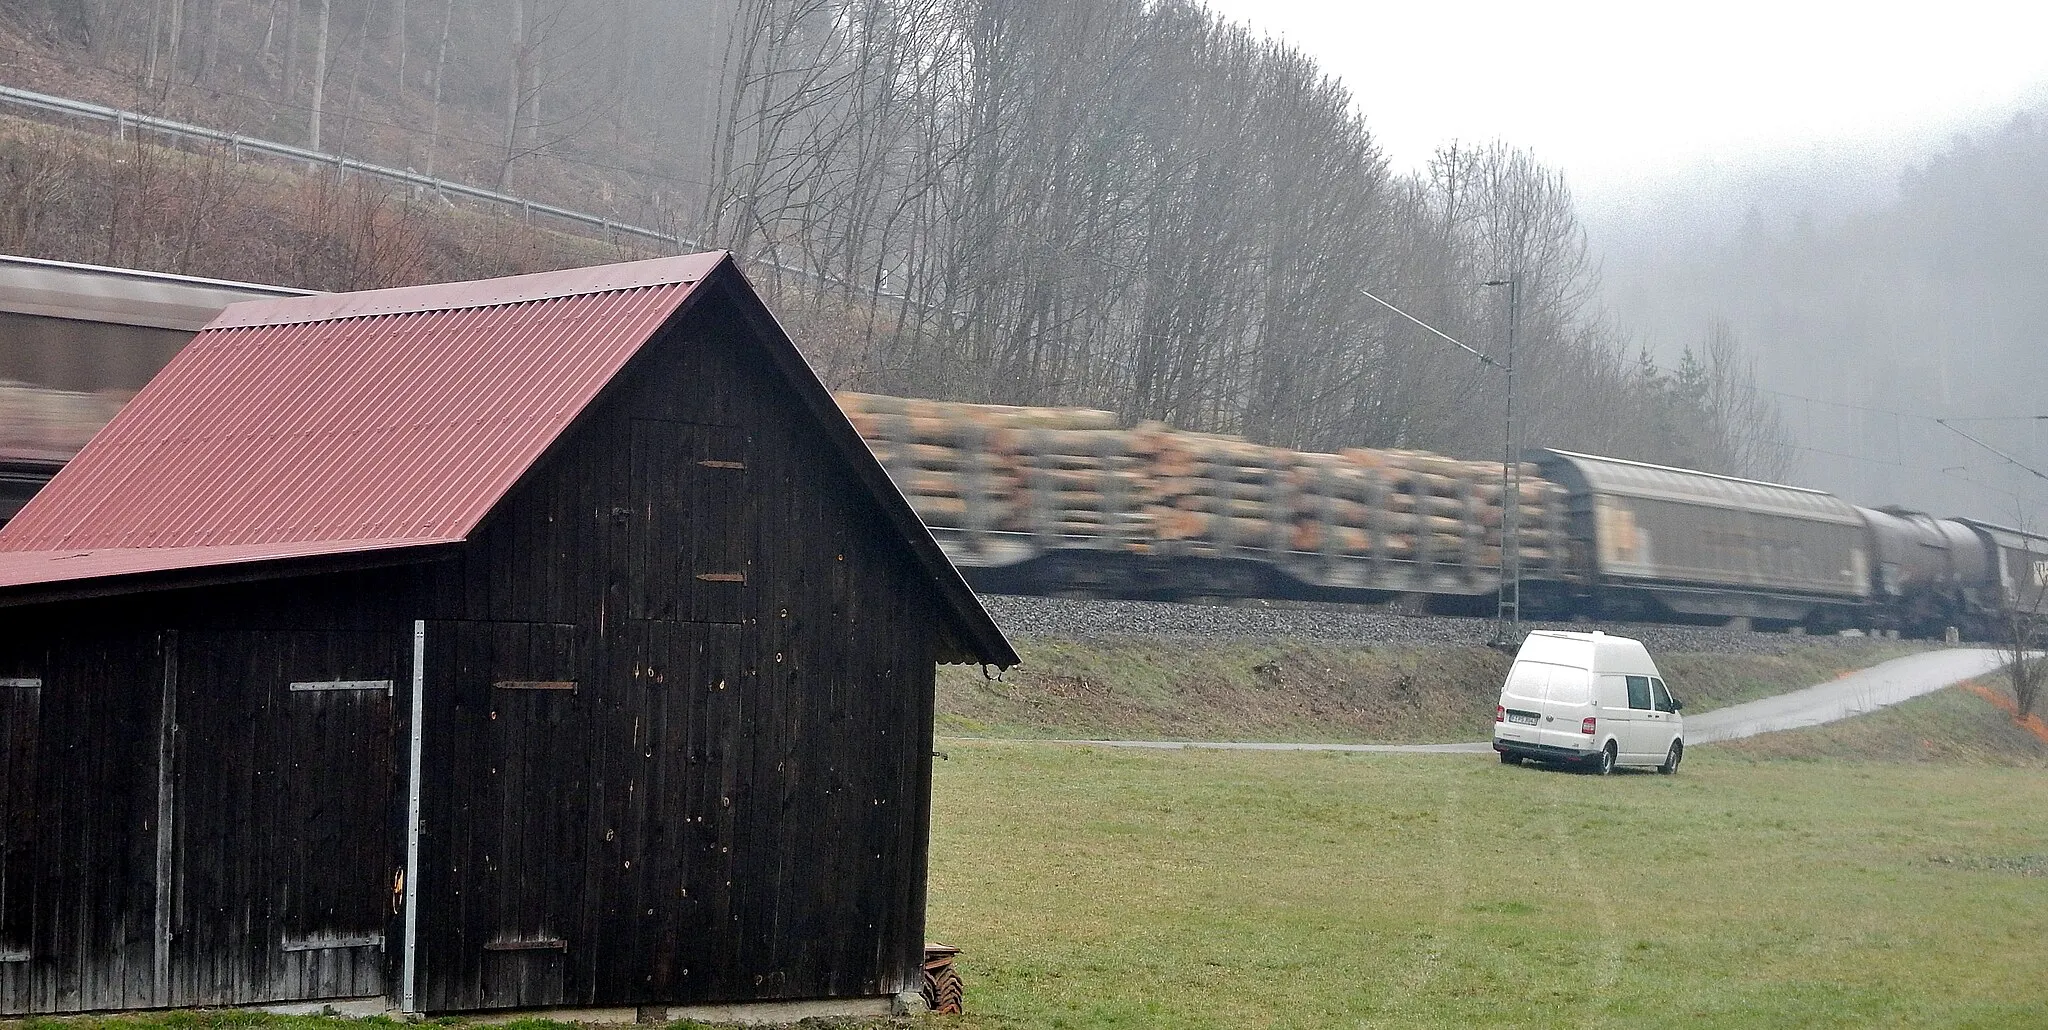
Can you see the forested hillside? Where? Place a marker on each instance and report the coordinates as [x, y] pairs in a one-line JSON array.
[[1924, 302], [1127, 204]]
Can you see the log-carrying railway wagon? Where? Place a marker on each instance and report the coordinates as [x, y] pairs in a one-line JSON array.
[[1074, 501], [1059, 500]]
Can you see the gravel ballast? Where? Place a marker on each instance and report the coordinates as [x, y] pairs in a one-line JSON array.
[[1070, 619]]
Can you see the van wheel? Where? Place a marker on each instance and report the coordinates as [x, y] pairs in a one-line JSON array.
[[1606, 766], [1507, 758], [1671, 760]]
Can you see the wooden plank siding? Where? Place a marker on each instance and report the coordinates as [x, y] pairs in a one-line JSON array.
[[746, 755], [677, 741], [283, 821]]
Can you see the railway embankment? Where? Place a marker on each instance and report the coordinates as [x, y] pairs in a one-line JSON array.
[[1323, 673]]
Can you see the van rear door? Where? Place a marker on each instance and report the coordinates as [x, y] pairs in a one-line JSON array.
[[1567, 704], [1522, 699]]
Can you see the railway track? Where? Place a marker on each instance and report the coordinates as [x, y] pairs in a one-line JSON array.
[[1079, 619]]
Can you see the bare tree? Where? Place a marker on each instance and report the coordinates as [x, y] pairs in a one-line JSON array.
[[440, 84], [2022, 623], [551, 47], [1748, 427]]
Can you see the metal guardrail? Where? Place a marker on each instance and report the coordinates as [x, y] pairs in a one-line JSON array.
[[123, 119]]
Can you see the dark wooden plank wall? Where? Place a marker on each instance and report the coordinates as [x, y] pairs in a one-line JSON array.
[[284, 823], [284, 830], [21, 693], [504, 783], [79, 894], [742, 772]]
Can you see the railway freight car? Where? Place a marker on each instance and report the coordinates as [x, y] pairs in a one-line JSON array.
[[1929, 574], [86, 328], [2018, 579], [1062, 500], [76, 341], [1656, 542]]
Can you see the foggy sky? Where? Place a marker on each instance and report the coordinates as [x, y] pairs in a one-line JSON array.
[[1744, 162]]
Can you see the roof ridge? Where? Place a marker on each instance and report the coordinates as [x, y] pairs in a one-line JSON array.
[[478, 293]]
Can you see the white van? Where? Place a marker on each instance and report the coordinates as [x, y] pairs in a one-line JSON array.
[[1587, 699]]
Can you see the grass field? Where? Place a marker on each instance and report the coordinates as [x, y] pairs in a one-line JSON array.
[[1093, 888]]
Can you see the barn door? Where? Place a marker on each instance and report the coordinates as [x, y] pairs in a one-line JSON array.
[[689, 554], [284, 815], [507, 806]]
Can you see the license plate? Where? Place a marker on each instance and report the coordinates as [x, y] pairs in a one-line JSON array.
[[1522, 718]]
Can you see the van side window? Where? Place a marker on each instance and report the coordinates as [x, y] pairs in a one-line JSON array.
[[1639, 692], [1663, 697]]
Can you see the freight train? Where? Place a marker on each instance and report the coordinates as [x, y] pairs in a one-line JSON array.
[[1074, 502], [1061, 501]]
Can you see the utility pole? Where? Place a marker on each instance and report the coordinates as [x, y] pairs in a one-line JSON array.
[[319, 77], [1507, 616]]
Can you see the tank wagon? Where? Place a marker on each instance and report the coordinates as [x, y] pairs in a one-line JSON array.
[[1070, 501], [1928, 573]]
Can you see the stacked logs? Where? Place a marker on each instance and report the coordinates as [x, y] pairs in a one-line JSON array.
[[961, 465], [1073, 472]]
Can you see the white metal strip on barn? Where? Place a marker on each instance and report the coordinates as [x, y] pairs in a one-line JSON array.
[[408, 1000]]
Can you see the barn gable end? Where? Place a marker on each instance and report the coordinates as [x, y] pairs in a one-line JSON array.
[[673, 738]]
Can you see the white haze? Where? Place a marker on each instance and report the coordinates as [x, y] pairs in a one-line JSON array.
[[1618, 93], [1694, 135]]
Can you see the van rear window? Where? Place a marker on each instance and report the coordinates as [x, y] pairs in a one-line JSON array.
[[1527, 681], [1570, 686], [1540, 681]]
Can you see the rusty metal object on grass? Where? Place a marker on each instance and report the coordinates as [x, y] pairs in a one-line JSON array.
[[944, 993]]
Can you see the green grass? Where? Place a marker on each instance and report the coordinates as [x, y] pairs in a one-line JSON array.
[[1095, 888], [250, 1019], [1144, 688]]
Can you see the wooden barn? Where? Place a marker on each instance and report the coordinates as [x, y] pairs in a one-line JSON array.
[[540, 642]]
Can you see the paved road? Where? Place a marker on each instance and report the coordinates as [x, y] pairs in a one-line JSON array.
[[1879, 686]]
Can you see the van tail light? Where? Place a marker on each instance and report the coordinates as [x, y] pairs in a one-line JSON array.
[[1500, 714], [1586, 727]]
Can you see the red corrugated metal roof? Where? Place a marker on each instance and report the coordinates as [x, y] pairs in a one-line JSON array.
[[345, 422]]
